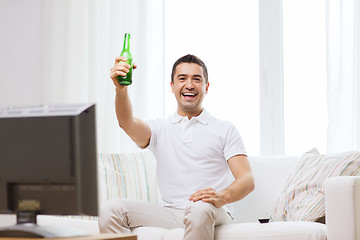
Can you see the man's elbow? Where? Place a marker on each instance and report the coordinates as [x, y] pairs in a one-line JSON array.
[[251, 184]]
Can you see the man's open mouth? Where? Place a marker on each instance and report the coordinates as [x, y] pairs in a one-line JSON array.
[[189, 94]]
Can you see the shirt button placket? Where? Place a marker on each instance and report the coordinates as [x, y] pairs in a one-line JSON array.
[[188, 132]]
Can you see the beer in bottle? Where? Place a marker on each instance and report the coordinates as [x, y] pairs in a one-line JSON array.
[[127, 80]]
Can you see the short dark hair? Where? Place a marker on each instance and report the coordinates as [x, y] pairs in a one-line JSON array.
[[190, 59]]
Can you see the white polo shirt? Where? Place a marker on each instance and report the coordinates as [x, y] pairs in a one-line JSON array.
[[192, 155]]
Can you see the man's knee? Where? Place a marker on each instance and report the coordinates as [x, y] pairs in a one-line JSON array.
[[112, 207], [112, 215], [199, 213]]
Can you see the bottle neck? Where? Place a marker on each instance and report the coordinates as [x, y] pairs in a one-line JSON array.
[[127, 42]]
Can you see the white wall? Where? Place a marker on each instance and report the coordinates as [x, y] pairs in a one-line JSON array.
[[20, 52]]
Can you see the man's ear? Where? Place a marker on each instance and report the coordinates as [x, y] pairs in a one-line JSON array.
[[207, 88], [172, 86]]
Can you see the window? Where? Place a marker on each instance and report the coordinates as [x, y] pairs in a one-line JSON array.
[[304, 48], [226, 37]]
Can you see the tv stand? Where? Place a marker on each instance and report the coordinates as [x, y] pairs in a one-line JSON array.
[[27, 227]]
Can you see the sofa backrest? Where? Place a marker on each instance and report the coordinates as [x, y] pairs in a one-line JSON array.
[[270, 175]]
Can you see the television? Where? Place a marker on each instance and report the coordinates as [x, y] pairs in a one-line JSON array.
[[48, 166]]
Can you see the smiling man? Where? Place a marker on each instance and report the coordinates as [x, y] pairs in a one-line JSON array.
[[195, 153], [189, 85]]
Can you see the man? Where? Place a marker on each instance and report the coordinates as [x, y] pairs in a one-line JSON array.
[[194, 153]]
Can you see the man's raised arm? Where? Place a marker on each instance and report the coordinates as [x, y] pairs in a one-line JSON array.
[[135, 128]]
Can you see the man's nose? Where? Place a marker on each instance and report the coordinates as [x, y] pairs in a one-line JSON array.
[[189, 84]]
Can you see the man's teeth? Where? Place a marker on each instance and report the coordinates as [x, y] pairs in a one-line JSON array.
[[189, 94]]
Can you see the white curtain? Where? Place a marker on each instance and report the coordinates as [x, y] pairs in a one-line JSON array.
[[80, 41], [343, 78]]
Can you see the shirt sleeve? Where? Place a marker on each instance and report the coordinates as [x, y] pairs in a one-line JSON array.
[[154, 125], [234, 144]]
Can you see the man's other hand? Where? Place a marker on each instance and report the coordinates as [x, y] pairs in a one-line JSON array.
[[209, 195]]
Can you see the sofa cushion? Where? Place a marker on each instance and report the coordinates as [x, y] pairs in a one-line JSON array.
[[275, 230], [127, 175], [303, 197], [149, 233], [251, 231]]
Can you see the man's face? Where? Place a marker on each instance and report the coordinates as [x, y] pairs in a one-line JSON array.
[[189, 87]]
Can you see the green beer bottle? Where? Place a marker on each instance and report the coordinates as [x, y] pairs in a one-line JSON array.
[[127, 80]]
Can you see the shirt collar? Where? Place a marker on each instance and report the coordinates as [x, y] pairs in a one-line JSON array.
[[202, 118]]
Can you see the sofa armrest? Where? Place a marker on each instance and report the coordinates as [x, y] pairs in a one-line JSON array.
[[342, 207]]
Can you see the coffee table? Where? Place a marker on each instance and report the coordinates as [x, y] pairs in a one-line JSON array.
[[102, 236]]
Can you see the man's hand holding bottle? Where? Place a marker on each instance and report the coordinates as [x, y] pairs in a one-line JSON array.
[[120, 68]]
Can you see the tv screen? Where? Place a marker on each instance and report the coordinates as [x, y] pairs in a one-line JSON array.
[[48, 160]]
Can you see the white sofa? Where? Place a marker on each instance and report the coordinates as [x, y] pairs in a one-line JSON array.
[[132, 175]]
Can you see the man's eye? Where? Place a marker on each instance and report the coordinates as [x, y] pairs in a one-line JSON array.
[[197, 79], [182, 79]]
